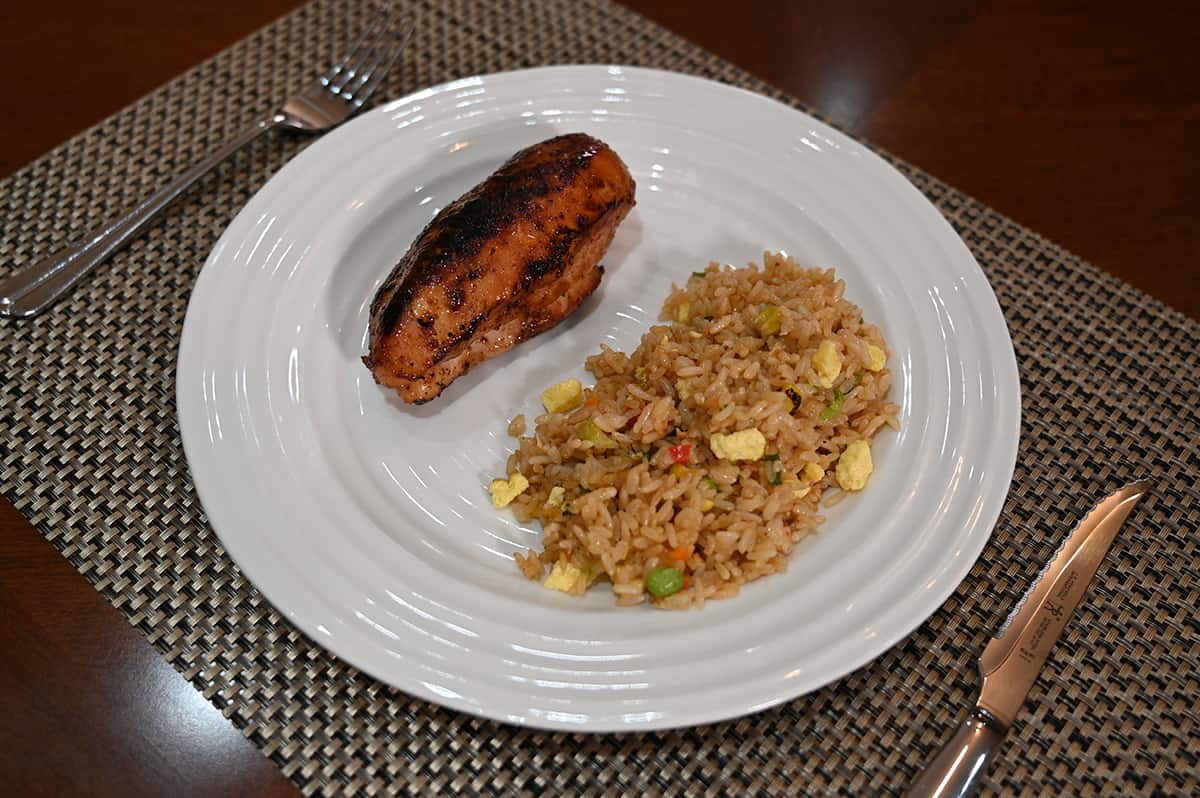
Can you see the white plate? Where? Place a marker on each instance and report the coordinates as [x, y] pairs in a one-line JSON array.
[[366, 522]]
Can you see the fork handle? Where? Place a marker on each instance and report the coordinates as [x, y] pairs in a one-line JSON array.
[[33, 289]]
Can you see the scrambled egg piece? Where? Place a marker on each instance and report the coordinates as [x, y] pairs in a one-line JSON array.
[[876, 356], [505, 490], [855, 466], [827, 362], [706, 505], [800, 494], [748, 444], [563, 577], [562, 397], [769, 320], [557, 494], [683, 389], [813, 472], [683, 311], [679, 470]]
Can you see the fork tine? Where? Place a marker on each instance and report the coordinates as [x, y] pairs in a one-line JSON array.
[[368, 80], [367, 56], [366, 42]]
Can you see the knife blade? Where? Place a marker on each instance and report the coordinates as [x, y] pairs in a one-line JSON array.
[[1013, 658]]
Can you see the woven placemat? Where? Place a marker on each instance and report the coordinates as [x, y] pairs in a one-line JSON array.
[[91, 455]]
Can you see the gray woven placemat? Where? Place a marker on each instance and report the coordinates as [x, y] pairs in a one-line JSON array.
[[91, 455]]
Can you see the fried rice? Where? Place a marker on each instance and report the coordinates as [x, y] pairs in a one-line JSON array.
[[697, 462]]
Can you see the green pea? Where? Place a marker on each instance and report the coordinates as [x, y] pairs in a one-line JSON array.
[[663, 582]]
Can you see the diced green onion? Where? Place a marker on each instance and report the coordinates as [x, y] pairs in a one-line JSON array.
[[835, 407], [589, 432], [663, 582], [707, 480], [699, 274], [773, 469]]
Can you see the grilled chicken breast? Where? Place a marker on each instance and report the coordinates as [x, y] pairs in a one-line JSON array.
[[509, 259]]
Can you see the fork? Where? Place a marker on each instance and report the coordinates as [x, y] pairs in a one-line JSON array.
[[330, 100]]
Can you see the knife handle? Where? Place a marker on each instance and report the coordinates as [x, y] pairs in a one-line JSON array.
[[956, 771]]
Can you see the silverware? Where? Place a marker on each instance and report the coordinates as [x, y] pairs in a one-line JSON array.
[[333, 98], [1011, 661]]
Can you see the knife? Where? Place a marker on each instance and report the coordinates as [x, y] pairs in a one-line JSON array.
[[1011, 661]]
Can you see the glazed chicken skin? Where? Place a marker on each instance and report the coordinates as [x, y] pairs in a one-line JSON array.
[[509, 259]]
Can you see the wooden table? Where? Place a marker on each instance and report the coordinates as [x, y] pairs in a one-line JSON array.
[[1079, 120]]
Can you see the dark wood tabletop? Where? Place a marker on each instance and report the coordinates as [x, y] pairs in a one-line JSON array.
[[1080, 120]]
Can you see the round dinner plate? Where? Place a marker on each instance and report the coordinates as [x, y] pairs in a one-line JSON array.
[[366, 522]]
